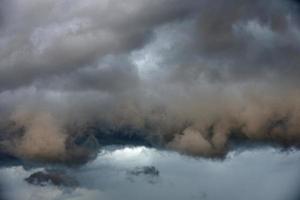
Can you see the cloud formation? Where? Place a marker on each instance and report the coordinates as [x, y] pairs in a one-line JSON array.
[[187, 76]]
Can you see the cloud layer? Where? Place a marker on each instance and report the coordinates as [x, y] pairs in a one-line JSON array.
[[186, 76]]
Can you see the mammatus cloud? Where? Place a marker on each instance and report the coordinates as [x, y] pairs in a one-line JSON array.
[[186, 76]]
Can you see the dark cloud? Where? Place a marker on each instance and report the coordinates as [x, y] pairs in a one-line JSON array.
[[238, 41], [110, 75], [180, 75], [47, 38]]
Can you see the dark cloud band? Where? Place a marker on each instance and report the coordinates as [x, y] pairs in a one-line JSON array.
[[186, 76]]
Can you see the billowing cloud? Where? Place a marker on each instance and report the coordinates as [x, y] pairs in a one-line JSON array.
[[188, 76], [42, 39]]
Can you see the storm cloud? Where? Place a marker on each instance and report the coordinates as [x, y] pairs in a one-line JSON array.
[[188, 76]]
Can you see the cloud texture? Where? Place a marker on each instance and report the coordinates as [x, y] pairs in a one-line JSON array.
[[187, 76]]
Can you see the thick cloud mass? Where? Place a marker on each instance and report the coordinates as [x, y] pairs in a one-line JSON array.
[[191, 76]]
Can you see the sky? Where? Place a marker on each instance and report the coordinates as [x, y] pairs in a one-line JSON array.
[[196, 77], [263, 174]]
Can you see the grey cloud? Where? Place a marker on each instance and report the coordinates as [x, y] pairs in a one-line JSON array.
[[229, 41], [109, 75], [250, 39], [181, 75], [40, 39]]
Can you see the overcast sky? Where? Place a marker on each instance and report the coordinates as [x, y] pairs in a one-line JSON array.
[[197, 77], [185, 75]]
